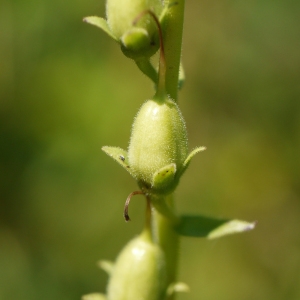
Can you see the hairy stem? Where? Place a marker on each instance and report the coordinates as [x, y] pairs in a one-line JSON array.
[[164, 216], [173, 28], [167, 238]]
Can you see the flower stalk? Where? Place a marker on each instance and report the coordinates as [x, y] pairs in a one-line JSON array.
[[168, 240], [157, 155]]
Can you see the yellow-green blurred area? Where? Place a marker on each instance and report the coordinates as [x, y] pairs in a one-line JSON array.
[[66, 90]]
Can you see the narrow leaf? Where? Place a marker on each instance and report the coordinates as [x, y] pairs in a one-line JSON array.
[[200, 226], [231, 227]]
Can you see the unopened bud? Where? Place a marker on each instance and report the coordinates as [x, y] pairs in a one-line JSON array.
[[158, 146], [139, 272], [140, 40]]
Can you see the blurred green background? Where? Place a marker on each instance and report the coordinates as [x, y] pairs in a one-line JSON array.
[[66, 90]]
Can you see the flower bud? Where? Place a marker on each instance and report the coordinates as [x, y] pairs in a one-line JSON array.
[[139, 272], [140, 40], [158, 146]]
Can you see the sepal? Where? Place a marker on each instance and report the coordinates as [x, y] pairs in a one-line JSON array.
[[191, 155], [100, 23], [189, 158], [119, 155], [164, 177], [106, 265]]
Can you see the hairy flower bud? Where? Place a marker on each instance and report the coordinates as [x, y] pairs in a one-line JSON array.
[[158, 146]]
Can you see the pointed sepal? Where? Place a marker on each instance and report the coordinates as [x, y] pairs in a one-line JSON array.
[[211, 228], [189, 158], [119, 155], [191, 155], [100, 23], [106, 265]]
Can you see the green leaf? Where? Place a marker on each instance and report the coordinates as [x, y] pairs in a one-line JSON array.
[[119, 155], [211, 228], [231, 227], [100, 23]]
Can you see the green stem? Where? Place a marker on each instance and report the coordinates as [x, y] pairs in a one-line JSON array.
[[148, 225], [147, 68], [164, 216], [173, 28], [167, 238]]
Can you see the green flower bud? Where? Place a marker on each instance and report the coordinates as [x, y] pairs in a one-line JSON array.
[[136, 41], [139, 272], [158, 146]]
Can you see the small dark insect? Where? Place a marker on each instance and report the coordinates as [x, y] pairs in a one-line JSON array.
[[122, 157]]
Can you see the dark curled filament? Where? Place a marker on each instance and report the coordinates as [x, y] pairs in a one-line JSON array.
[[126, 216]]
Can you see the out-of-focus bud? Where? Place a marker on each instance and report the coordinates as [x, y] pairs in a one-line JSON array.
[[139, 272], [140, 40]]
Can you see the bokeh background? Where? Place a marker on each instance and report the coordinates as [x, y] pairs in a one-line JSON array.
[[66, 90]]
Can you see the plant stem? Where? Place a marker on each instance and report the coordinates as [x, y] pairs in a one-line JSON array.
[[168, 239], [147, 68], [173, 28], [163, 225]]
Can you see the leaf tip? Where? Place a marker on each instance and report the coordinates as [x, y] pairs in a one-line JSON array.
[[250, 226], [232, 227]]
